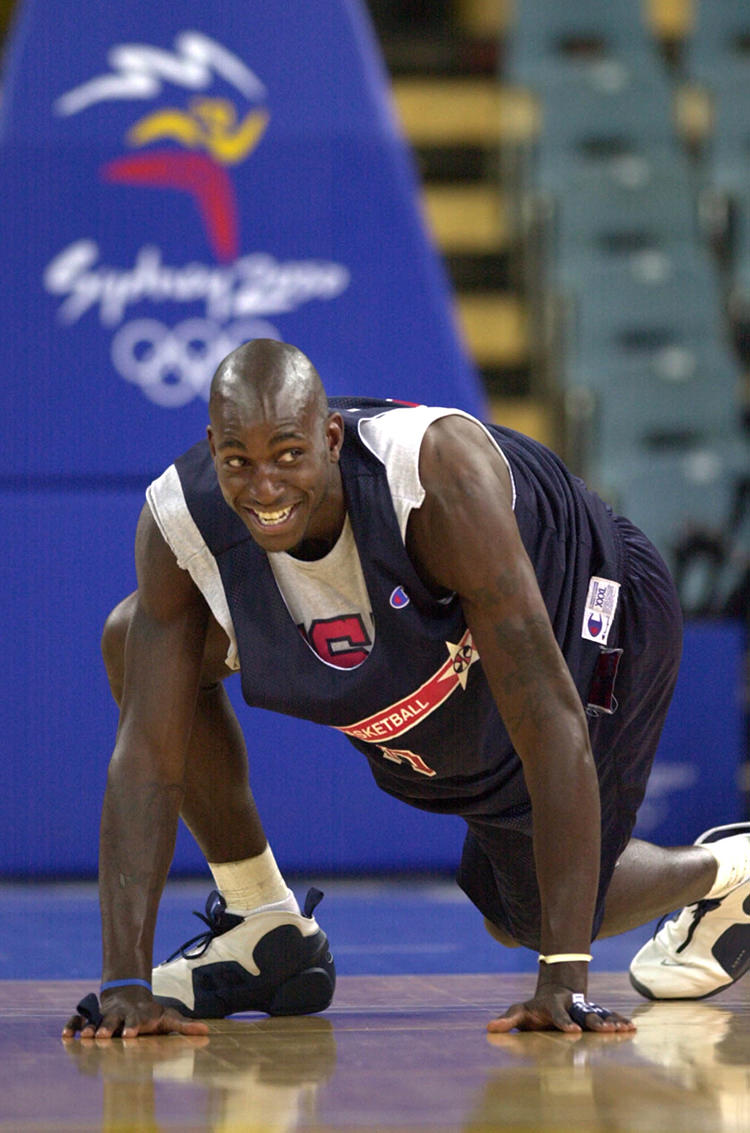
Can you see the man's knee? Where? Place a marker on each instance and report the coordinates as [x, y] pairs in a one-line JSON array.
[[113, 644], [500, 934]]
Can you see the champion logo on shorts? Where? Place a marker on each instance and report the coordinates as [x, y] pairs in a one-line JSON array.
[[601, 606], [399, 598]]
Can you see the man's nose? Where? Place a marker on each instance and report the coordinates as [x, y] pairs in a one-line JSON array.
[[264, 485]]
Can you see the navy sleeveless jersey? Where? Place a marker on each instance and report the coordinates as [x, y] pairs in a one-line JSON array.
[[419, 707]]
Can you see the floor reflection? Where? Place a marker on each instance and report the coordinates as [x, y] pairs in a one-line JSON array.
[[706, 1048], [244, 1075], [687, 1065], [405, 1053]]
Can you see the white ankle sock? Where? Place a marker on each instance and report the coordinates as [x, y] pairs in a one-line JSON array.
[[733, 857], [252, 884]]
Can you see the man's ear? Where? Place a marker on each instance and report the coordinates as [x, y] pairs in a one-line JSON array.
[[211, 442], [335, 435]]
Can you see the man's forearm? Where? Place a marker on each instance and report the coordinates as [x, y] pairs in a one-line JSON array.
[[138, 831], [567, 855]]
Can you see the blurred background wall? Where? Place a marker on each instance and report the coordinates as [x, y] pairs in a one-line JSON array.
[[536, 212]]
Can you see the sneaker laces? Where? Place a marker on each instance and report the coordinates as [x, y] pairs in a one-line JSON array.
[[707, 905], [217, 921]]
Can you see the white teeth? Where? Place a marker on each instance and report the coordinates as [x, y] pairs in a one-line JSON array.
[[269, 518]]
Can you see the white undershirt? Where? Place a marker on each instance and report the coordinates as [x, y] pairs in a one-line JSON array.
[[322, 590]]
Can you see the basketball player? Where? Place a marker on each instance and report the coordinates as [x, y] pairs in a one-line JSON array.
[[485, 631]]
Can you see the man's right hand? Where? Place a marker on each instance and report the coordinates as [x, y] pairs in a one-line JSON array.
[[126, 1013]]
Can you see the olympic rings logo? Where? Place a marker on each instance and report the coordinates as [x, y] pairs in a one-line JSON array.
[[174, 365]]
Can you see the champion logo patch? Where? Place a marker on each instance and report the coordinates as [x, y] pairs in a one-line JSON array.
[[596, 625], [399, 598], [601, 606]]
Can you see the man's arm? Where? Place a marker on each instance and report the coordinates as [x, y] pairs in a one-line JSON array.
[[163, 656], [465, 538]]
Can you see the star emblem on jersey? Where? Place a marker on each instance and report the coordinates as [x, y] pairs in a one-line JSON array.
[[463, 655]]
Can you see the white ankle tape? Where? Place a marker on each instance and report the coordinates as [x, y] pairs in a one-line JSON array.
[[733, 863], [251, 882]]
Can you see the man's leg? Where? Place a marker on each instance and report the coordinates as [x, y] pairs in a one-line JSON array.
[[707, 946], [218, 805], [704, 949], [255, 926], [650, 881]]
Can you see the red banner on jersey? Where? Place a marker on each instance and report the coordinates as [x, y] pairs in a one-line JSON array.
[[413, 709]]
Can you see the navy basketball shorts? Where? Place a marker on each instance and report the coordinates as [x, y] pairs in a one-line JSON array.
[[497, 865]]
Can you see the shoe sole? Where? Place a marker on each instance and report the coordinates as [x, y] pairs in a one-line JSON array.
[[297, 977], [307, 993], [644, 991]]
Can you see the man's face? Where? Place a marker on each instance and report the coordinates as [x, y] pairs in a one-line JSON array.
[[277, 467]]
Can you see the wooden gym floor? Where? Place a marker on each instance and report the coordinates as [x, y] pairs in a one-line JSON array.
[[403, 1047], [393, 1053]]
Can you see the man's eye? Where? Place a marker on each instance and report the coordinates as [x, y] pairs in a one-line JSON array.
[[235, 462], [289, 455]]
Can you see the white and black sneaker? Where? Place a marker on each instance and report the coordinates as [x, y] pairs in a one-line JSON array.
[[273, 960], [706, 948]]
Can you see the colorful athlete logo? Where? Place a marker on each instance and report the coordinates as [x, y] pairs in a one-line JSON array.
[[208, 113], [203, 135]]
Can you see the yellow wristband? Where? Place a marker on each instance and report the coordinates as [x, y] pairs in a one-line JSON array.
[[565, 957]]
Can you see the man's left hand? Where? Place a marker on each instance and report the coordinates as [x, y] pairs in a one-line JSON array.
[[557, 1009]]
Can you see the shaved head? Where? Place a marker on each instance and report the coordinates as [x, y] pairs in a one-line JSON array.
[[255, 375], [275, 446]]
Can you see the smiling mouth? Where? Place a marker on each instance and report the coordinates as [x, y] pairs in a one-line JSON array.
[[272, 518]]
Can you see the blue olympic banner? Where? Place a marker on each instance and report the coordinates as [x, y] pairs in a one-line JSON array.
[[177, 179]]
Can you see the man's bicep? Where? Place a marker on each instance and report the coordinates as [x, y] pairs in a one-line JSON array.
[[465, 536], [163, 651]]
